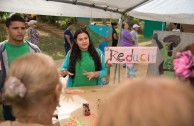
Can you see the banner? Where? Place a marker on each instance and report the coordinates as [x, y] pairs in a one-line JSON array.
[[122, 55]]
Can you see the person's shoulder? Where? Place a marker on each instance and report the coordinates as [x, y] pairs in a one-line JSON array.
[[2, 45], [67, 30], [177, 30], [99, 51], [125, 31], [33, 46], [132, 31]]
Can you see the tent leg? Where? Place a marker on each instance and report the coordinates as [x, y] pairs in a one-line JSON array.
[[119, 44], [115, 72]]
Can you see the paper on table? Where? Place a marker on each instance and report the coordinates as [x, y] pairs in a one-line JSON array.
[[68, 104], [74, 91]]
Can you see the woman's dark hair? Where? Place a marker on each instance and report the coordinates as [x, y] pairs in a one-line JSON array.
[[123, 25], [76, 53], [113, 24], [69, 23], [178, 26]]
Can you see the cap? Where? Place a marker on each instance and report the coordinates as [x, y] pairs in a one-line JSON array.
[[136, 26]]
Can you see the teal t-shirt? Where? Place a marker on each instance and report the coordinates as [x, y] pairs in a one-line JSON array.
[[15, 51], [85, 64]]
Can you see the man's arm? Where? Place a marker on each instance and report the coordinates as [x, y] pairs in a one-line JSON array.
[[68, 40], [115, 36], [131, 39]]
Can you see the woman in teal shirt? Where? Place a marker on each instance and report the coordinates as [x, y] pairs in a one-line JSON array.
[[84, 64]]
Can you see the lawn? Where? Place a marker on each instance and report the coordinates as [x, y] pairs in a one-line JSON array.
[[142, 38], [52, 45], [49, 43]]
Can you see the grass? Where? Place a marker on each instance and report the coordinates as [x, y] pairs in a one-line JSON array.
[[50, 44], [142, 38]]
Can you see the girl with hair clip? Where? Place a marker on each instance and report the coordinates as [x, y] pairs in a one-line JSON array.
[[184, 64], [33, 89], [84, 64]]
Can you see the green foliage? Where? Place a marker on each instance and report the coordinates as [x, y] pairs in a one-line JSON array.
[[3, 34], [59, 21], [131, 21], [64, 21], [3, 16]]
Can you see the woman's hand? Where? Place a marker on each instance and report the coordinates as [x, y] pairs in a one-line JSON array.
[[89, 75], [65, 73]]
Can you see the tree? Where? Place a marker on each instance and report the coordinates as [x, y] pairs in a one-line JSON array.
[[3, 15]]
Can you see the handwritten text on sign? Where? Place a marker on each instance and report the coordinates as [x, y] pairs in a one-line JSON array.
[[130, 54]]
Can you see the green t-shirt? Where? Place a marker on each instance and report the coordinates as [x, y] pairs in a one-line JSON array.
[[15, 51], [85, 64]]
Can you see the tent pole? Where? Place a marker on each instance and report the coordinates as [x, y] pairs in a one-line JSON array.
[[117, 66]]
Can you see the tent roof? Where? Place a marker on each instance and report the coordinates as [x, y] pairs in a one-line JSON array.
[[179, 11], [87, 8]]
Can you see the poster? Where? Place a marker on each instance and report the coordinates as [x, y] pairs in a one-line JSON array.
[[122, 55], [99, 34], [168, 43]]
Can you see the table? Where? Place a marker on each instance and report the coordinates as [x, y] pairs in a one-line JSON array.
[[71, 105]]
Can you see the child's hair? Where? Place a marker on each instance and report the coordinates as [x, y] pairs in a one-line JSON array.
[[31, 85], [149, 102]]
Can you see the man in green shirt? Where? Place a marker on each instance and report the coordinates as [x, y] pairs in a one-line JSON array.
[[11, 49]]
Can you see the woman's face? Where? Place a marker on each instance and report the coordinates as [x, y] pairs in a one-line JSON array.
[[83, 41], [34, 25], [136, 29], [126, 26]]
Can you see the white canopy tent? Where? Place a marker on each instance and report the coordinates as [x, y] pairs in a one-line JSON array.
[[73, 8], [177, 11]]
